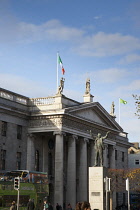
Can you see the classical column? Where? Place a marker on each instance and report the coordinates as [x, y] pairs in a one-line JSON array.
[[30, 152], [105, 156], [71, 172], [92, 153], [83, 171], [59, 167], [112, 156], [45, 154]]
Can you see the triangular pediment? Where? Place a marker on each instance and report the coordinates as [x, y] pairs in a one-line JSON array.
[[90, 114], [94, 112]]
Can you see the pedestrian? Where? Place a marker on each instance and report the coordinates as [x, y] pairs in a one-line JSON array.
[[13, 206], [50, 207], [78, 206], [85, 205], [45, 205], [57, 207], [69, 207], [30, 205]]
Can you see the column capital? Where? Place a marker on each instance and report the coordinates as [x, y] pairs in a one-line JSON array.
[[86, 140], [106, 145], [31, 135], [74, 137], [61, 133], [113, 147]]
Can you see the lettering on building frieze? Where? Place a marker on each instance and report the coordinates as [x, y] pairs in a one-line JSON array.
[[76, 125], [51, 121], [46, 122]]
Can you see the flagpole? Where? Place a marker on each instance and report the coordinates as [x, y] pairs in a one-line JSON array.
[[119, 111], [57, 73]]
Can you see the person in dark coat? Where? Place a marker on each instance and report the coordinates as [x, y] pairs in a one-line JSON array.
[[30, 205], [50, 207]]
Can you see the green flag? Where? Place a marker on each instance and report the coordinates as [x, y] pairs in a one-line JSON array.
[[123, 101]]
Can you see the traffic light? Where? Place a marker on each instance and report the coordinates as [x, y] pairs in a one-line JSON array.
[[16, 183]]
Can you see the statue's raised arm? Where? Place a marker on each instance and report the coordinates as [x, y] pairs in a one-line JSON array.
[[104, 137]]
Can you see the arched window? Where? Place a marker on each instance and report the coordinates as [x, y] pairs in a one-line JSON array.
[[37, 160]]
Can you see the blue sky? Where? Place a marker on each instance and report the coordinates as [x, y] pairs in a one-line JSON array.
[[96, 39]]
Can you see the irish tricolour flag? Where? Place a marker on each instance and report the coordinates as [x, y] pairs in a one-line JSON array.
[[61, 65]]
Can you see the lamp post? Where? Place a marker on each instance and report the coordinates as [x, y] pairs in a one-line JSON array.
[[107, 189], [127, 189]]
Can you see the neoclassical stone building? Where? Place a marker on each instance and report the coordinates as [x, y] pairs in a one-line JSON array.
[[52, 134]]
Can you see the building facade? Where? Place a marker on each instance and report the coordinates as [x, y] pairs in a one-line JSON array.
[[134, 156], [52, 134]]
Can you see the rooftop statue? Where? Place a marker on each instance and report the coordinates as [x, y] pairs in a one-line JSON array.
[[87, 86], [112, 109], [61, 86]]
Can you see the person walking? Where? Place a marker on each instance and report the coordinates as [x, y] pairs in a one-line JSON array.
[[13, 206], [30, 205], [45, 205], [78, 206], [50, 207], [57, 207], [85, 206], [69, 207]]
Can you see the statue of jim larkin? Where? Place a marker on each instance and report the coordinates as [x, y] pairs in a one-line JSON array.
[[99, 146]]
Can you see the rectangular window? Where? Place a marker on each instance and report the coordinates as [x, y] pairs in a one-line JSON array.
[[115, 154], [122, 156], [137, 162], [123, 198], [3, 128], [19, 132], [18, 166], [3, 157]]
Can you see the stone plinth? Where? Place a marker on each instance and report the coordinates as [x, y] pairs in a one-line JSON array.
[[97, 187], [88, 98]]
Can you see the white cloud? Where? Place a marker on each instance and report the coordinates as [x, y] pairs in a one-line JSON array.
[[98, 44], [23, 86], [27, 32], [126, 90], [130, 59], [110, 75], [97, 17], [133, 86], [102, 44]]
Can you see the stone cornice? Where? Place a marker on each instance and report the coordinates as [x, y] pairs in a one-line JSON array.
[[76, 125]]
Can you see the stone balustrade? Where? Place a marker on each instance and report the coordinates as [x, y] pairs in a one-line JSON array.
[[42, 101], [25, 100], [13, 97]]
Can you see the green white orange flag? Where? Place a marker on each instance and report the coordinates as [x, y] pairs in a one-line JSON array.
[[123, 101], [61, 65]]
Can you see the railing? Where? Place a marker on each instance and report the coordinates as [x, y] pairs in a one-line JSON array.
[[42, 101], [6, 95], [26, 101], [13, 97]]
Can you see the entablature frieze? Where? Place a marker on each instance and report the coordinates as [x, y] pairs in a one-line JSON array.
[[45, 121], [70, 123]]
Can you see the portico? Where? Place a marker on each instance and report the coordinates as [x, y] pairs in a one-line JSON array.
[[62, 137]]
